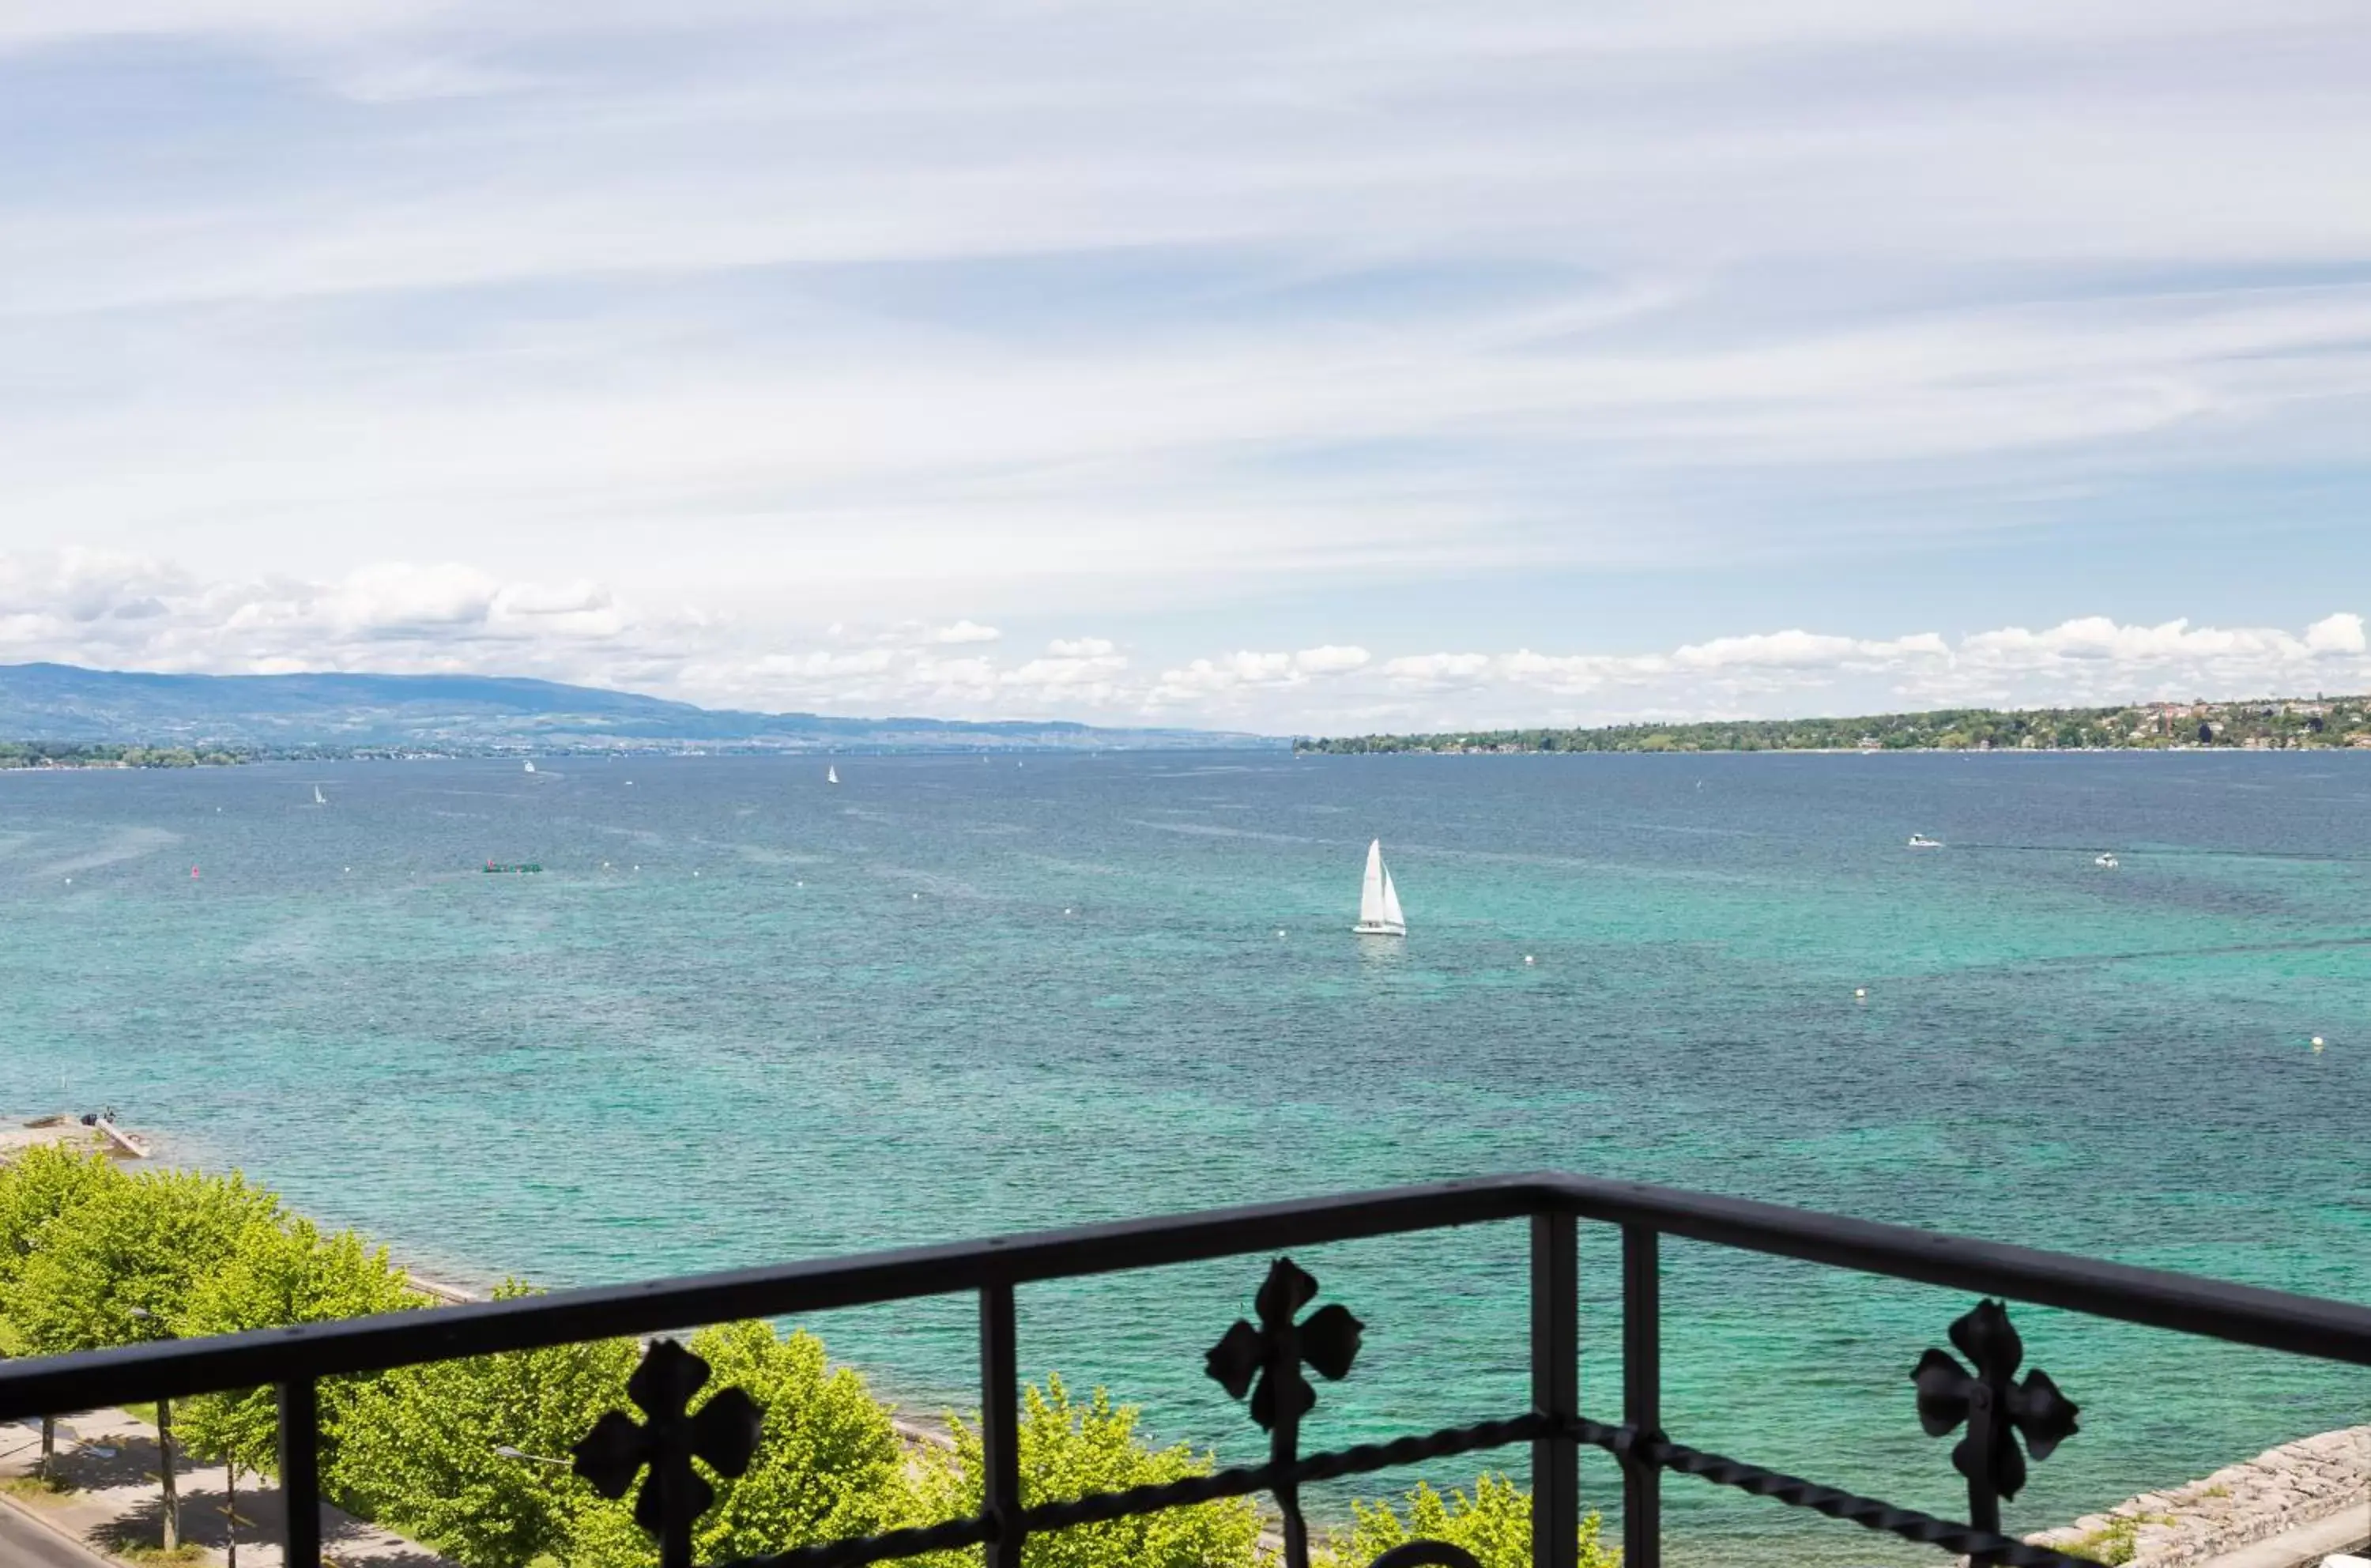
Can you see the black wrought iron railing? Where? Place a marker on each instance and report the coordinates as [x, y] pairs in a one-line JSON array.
[[1265, 1359]]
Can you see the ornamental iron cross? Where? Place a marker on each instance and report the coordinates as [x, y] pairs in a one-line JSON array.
[[1266, 1363], [723, 1436], [1994, 1404]]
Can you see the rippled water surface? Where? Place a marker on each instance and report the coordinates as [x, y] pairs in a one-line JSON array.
[[744, 1017]]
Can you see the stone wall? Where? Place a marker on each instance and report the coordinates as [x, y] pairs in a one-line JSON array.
[[2279, 1489]]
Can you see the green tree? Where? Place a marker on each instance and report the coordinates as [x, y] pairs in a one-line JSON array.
[[1494, 1524], [143, 1241], [35, 1188], [419, 1451], [829, 1462], [116, 1266], [279, 1272], [1069, 1449]]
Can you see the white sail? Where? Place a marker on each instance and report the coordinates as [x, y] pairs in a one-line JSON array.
[[1379, 901], [530, 767], [318, 798], [831, 773]]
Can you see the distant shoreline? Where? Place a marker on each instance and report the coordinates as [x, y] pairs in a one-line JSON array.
[[2317, 723], [1842, 751]]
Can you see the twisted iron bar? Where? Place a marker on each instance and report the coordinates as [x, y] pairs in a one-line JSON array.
[[1368, 1457], [1870, 1513], [1240, 1481]]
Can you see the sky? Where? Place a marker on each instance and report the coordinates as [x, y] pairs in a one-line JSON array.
[[1318, 368]]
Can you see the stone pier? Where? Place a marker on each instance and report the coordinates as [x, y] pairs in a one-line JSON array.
[[2288, 1507]]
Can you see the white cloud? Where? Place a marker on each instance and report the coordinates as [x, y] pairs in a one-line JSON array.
[[1438, 669], [129, 612], [966, 631], [1224, 682], [2098, 639], [2335, 634], [1328, 660], [1799, 649]]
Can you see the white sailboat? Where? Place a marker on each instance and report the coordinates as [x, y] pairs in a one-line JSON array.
[[831, 773], [318, 798], [1379, 901], [530, 767]]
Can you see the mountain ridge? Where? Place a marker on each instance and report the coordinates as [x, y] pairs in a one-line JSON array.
[[47, 701]]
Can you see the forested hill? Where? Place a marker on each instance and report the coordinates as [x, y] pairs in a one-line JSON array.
[[67, 704], [2279, 724]]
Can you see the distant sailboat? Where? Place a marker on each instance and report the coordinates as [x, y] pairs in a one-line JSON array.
[[1379, 901], [318, 798], [530, 767], [831, 773]]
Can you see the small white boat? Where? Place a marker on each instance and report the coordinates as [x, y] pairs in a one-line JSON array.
[[831, 773], [1920, 841], [530, 767], [318, 798], [1379, 901], [2107, 862]]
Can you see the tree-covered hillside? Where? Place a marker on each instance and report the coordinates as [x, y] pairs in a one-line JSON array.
[[2280, 723]]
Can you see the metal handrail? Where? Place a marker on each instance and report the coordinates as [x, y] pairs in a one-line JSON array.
[[294, 1358]]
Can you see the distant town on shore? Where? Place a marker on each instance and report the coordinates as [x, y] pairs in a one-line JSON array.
[[2260, 724]]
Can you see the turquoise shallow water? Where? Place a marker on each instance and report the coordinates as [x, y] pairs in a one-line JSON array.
[[747, 1038]]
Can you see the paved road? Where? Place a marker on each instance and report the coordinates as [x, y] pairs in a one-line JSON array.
[[24, 1544]]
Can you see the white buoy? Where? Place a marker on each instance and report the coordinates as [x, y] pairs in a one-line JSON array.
[[1860, 993], [695, 873], [1066, 909], [70, 882], [2316, 1041], [801, 884], [1279, 930], [916, 895], [1529, 959]]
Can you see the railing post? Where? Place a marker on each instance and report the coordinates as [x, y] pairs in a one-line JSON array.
[[1984, 1494], [300, 1474], [1642, 1397], [1556, 1389], [999, 1425]]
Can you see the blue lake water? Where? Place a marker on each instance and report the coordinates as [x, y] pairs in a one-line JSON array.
[[743, 1017]]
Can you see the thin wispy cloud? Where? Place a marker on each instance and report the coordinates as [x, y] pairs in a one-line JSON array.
[[1228, 338]]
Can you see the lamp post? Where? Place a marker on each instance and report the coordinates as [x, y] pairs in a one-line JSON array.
[[172, 1520], [503, 1451]]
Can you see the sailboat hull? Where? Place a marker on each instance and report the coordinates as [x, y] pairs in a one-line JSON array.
[[1377, 930]]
